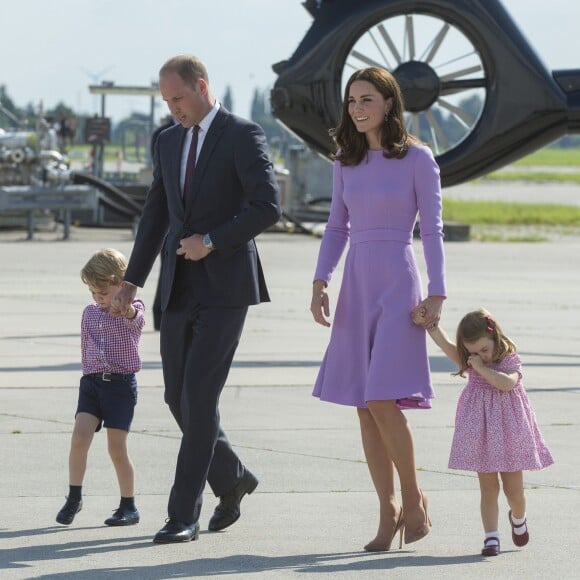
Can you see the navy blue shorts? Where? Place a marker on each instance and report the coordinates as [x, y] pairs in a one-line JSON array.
[[112, 402]]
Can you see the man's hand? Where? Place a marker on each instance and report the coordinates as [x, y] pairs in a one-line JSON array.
[[192, 248], [122, 301]]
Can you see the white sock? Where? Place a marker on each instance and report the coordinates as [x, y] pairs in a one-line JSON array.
[[519, 525], [495, 536]]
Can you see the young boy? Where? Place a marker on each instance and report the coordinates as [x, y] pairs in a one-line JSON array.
[[108, 388]]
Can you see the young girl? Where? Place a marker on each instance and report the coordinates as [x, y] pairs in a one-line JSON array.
[[495, 426], [108, 389]]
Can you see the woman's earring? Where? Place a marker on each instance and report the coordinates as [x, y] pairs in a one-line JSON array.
[[387, 116]]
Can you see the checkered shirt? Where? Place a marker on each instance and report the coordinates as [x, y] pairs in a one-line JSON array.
[[110, 344]]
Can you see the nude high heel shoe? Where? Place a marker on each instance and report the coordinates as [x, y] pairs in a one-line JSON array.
[[377, 546], [420, 532]]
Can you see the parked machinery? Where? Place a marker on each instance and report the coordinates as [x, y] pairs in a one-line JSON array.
[[23, 161], [36, 180]]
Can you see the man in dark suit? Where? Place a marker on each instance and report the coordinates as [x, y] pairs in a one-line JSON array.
[[168, 122], [211, 274]]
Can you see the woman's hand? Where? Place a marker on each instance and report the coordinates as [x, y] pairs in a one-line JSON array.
[[428, 312], [320, 305], [418, 315]]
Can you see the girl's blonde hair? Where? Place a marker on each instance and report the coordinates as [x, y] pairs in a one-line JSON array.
[[479, 324], [106, 267]]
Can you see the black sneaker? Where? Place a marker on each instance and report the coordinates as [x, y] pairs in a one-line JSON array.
[[69, 510]]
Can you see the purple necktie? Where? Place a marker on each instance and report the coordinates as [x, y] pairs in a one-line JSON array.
[[190, 166]]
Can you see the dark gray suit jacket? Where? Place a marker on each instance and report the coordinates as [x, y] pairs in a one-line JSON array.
[[235, 197]]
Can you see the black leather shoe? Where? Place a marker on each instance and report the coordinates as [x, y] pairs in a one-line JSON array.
[[175, 531], [228, 510], [123, 517], [69, 510]]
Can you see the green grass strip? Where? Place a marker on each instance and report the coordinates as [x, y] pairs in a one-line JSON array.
[[497, 212], [535, 176], [569, 156]]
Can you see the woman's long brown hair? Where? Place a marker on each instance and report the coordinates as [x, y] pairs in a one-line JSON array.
[[352, 146]]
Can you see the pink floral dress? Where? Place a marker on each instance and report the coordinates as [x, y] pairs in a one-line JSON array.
[[496, 431]]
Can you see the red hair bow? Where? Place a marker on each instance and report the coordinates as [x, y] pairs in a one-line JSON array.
[[490, 325]]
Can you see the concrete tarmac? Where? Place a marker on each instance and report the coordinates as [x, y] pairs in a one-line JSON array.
[[315, 506]]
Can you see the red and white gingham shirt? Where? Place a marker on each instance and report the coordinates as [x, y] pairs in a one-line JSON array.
[[110, 344]]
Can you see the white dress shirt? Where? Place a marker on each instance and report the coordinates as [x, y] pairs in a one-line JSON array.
[[203, 129]]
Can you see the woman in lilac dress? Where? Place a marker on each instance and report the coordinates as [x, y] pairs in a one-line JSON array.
[[377, 359]]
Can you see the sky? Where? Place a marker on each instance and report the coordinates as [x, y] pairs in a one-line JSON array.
[[52, 50]]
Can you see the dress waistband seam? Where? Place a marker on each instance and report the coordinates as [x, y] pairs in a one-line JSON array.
[[380, 234]]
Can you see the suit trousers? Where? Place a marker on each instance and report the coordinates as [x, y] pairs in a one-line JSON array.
[[197, 348]]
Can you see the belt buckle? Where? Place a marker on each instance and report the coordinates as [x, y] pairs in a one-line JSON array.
[[106, 377]]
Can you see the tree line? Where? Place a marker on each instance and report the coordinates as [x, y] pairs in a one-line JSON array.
[[135, 129], [27, 117]]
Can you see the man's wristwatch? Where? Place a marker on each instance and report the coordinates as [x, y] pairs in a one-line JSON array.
[[207, 242]]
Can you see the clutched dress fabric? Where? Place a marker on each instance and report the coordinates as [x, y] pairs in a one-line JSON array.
[[375, 351]]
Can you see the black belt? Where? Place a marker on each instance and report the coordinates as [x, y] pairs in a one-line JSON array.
[[108, 377]]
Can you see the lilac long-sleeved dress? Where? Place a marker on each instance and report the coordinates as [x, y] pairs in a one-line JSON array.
[[375, 350]]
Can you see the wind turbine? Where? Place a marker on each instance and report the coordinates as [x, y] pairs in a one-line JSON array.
[[96, 78]]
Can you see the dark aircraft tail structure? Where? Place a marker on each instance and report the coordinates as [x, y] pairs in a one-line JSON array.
[[474, 88]]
